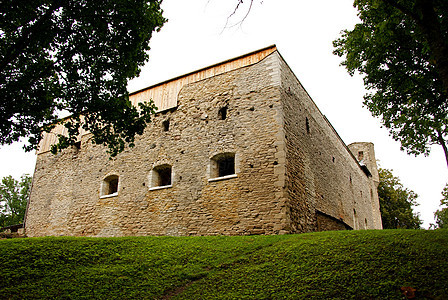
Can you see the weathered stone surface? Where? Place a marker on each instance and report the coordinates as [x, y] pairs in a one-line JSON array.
[[290, 165]]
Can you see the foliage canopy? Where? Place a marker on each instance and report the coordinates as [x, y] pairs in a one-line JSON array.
[[74, 56], [401, 49], [13, 199], [396, 203]]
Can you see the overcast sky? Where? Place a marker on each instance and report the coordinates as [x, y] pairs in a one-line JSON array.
[[303, 31]]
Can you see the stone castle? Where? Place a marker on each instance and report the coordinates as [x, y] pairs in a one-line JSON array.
[[235, 148]]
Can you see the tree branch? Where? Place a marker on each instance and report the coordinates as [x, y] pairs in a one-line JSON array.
[[234, 12]]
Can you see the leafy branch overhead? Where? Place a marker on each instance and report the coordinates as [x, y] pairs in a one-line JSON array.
[[401, 49], [74, 57]]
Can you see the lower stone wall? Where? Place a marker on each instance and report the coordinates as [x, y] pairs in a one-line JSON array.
[[327, 223]]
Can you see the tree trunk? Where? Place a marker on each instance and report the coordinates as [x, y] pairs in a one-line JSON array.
[[443, 144]]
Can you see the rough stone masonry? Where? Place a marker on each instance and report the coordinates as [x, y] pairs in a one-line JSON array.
[[236, 148]]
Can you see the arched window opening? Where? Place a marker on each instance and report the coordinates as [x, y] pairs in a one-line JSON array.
[[161, 176], [222, 165], [109, 186]]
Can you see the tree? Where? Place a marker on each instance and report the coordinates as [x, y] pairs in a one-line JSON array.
[[74, 56], [442, 214], [237, 7], [401, 49], [396, 203], [13, 199]]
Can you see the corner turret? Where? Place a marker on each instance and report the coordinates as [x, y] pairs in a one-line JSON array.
[[365, 154]]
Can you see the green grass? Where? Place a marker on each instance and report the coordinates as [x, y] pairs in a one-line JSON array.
[[325, 265]]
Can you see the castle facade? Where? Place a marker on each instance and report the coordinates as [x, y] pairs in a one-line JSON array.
[[235, 148]]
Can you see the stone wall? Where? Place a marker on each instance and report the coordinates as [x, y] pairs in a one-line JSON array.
[[326, 222], [289, 164], [322, 174]]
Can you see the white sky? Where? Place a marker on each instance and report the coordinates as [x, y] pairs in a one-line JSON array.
[[303, 32]]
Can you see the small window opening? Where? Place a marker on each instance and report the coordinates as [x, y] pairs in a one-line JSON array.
[[360, 155], [113, 186], [222, 113], [165, 177], [222, 165], [161, 176], [307, 124], [226, 166], [166, 125], [110, 185]]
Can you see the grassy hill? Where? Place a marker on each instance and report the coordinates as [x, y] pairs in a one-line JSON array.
[[325, 265]]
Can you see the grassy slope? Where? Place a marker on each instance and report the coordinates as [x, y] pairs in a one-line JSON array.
[[344, 265]]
